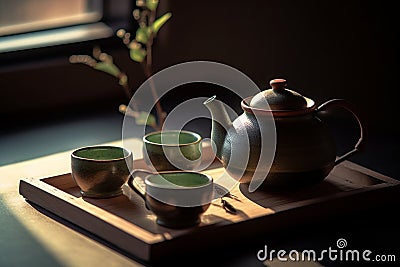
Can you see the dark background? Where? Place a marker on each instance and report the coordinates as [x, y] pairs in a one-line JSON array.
[[325, 49]]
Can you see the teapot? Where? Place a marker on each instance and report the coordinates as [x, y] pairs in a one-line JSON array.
[[280, 138]]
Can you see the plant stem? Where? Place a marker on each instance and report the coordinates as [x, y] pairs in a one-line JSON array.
[[125, 86], [148, 70]]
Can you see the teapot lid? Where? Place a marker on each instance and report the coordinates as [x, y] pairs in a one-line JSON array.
[[279, 98]]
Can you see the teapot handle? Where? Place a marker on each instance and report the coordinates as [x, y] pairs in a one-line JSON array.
[[346, 105]]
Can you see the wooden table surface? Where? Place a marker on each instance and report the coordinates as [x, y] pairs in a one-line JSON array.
[[28, 237]]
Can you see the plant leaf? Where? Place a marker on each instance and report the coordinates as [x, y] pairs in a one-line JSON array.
[[145, 118], [142, 35], [108, 68], [138, 54], [160, 22], [152, 4]]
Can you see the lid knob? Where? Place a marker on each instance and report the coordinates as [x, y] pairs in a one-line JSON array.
[[279, 98], [278, 84]]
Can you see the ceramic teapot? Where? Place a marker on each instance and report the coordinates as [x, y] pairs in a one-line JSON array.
[[286, 128]]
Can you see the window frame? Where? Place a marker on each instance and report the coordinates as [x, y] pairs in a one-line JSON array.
[[115, 16], [93, 13]]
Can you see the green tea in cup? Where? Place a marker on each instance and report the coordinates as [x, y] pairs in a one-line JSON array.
[[178, 199], [100, 171], [172, 150]]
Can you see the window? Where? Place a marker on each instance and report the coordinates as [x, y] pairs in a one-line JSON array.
[[31, 15], [27, 24], [34, 58]]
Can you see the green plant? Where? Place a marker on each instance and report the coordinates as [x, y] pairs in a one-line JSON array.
[[140, 51]]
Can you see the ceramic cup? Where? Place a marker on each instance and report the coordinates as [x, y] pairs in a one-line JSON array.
[[100, 171], [172, 150], [178, 199]]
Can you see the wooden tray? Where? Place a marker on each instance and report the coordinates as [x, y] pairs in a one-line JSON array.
[[128, 225]]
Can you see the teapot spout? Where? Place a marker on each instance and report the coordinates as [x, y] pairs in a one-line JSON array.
[[220, 123]]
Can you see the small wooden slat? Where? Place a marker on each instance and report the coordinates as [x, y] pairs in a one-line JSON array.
[[125, 222]]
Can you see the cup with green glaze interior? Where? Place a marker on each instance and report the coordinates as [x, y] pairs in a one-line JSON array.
[[177, 198], [100, 171], [172, 150]]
